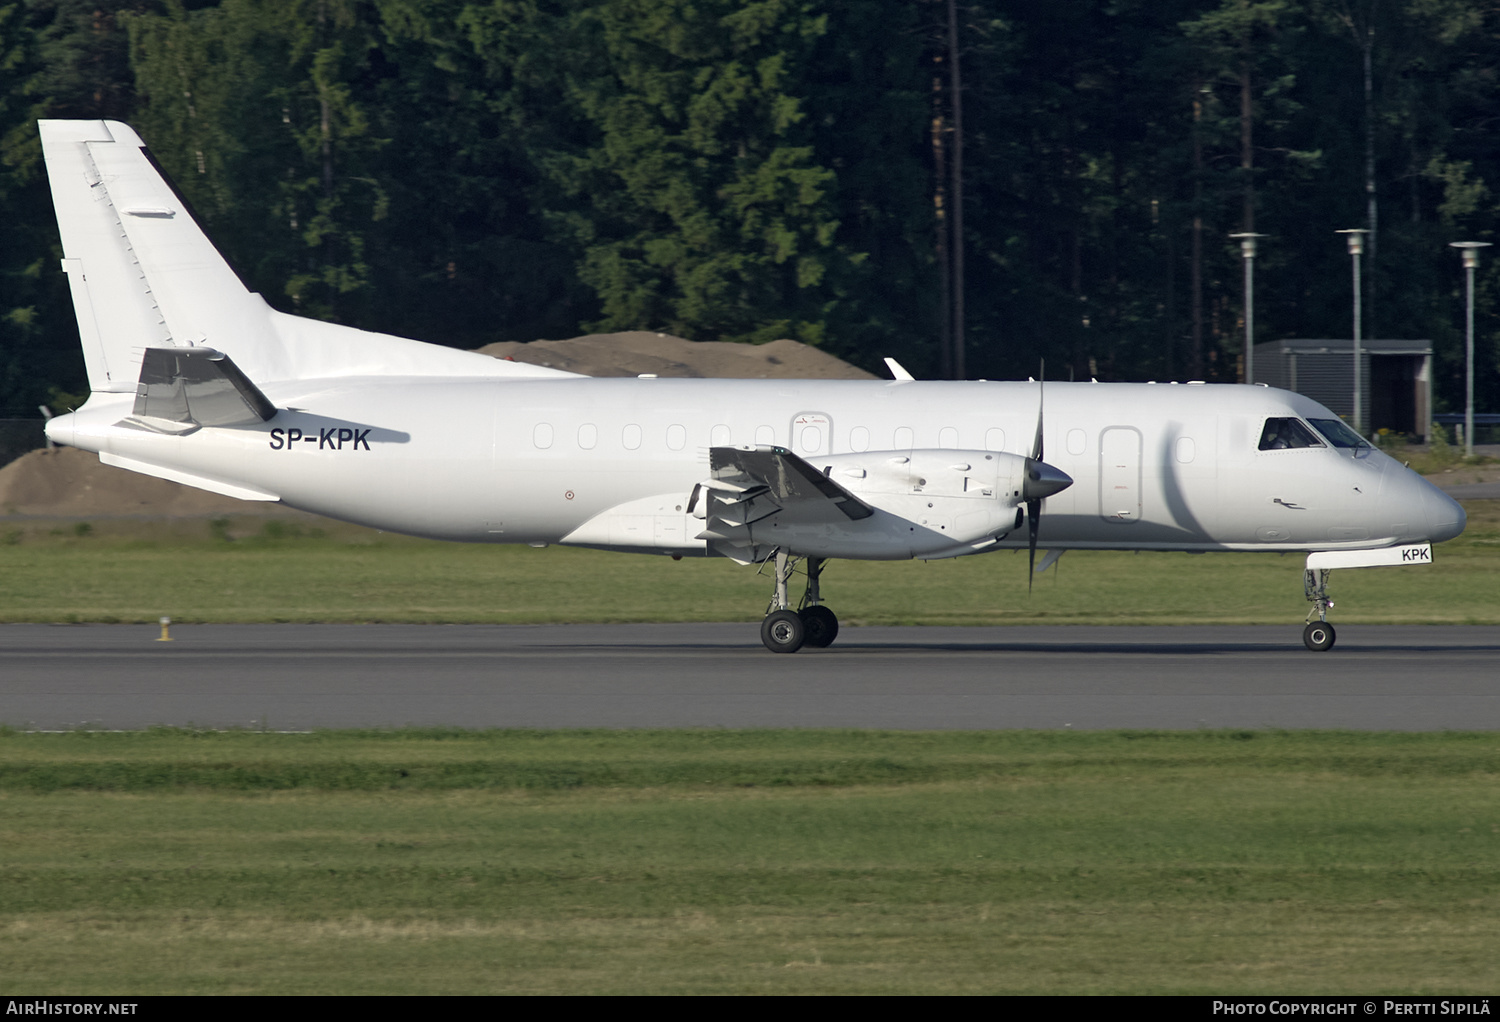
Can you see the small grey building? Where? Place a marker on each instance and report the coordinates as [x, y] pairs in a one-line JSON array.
[[1397, 378]]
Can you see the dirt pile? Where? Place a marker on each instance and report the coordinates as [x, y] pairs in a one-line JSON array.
[[65, 483], [641, 351]]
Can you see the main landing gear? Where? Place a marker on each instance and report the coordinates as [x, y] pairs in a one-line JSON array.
[[785, 630], [1318, 635]]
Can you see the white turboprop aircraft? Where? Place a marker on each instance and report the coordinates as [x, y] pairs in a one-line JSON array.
[[196, 379]]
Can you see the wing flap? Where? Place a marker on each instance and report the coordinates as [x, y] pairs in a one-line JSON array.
[[789, 482], [750, 485]]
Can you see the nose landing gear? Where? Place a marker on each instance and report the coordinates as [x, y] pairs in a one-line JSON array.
[[1319, 635], [785, 630]]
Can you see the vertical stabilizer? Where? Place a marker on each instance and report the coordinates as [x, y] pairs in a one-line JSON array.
[[142, 272], [144, 275], [118, 315]]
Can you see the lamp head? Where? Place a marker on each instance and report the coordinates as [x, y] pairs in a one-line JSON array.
[[1470, 249], [1247, 243], [1356, 238]]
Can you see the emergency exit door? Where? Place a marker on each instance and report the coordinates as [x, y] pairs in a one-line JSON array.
[[1120, 475]]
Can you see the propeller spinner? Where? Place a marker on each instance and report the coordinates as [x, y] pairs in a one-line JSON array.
[[1042, 481]]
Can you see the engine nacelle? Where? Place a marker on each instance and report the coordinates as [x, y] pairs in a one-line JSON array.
[[927, 502]]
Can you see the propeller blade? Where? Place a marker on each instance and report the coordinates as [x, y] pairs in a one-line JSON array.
[[1033, 523], [1036, 446], [1030, 488]]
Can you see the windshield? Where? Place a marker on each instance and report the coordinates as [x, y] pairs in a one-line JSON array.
[[1286, 434], [1338, 433]]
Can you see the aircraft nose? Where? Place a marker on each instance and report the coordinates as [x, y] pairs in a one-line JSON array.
[[1428, 514], [1445, 516], [1043, 480]]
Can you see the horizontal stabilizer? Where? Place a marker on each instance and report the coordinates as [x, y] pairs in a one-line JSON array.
[[195, 387]]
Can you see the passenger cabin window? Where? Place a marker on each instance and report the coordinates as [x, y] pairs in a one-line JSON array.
[[1338, 433], [1285, 434]]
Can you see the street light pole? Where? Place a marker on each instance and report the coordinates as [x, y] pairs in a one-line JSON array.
[[1470, 249], [1247, 251], [1356, 239]]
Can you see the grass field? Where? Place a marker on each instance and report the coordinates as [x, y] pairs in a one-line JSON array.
[[749, 862], [278, 570]]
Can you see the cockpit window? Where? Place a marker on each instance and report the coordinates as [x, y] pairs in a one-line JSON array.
[[1284, 434], [1338, 433]]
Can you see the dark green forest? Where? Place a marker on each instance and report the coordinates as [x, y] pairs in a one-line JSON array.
[[970, 187]]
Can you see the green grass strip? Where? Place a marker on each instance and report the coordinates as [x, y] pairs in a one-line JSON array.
[[422, 759], [778, 861], [270, 571]]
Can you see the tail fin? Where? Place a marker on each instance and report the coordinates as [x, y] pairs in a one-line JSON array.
[[142, 273]]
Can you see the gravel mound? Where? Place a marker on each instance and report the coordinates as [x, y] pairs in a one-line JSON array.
[[64, 482], [640, 351]]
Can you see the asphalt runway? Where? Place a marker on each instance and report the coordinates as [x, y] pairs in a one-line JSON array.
[[294, 677], [1472, 491]]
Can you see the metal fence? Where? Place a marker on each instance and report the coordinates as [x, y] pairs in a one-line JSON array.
[[1486, 426], [17, 436]]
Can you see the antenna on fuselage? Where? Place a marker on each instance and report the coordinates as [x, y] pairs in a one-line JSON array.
[[898, 371]]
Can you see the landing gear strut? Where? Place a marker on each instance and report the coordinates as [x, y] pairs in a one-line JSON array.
[[1318, 635], [785, 630]]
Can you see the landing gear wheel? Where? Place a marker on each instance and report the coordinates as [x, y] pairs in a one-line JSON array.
[[821, 624], [783, 631], [1319, 636]]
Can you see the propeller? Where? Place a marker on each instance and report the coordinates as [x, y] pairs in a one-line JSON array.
[[1042, 481]]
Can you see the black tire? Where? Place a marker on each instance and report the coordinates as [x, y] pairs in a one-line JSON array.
[[821, 624], [1319, 636], [783, 631]]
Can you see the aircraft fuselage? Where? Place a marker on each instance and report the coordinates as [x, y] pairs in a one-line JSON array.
[[1155, 466]]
